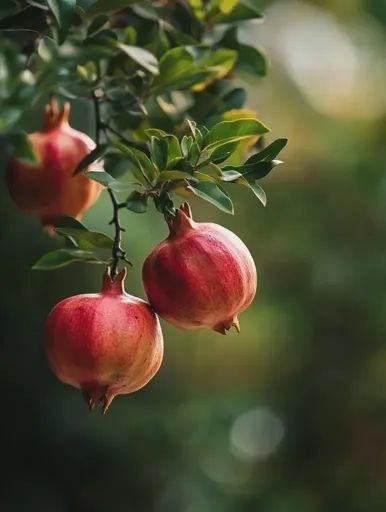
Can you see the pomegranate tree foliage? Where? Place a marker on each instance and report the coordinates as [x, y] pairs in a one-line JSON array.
[[169, 119]]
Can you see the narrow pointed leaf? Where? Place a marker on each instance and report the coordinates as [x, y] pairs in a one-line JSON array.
[[92, 237], [95, 154], [256, 189], [268, 153], [107, 180], [63, 257], [213, 194], [227, 132], [63, 11], [143, 57]]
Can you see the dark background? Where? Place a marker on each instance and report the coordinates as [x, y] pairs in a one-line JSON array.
[[288, 416]]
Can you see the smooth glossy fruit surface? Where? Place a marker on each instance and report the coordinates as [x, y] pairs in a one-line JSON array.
[[106, 344], [48, 189], [202, 275]]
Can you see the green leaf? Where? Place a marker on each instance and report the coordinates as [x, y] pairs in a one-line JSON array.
[[235, 98], [200, 176], [137, 202], [244, 11], [227, 6], [194, 153], [63, 11], [63, 257], [223, 152], [101, 177], [213, 194], [219, 63], [256, 189], [254, 171], [21, 148], [92, 237], [87, 72], [214, 169], [159, 152], [174, 151], [192, 127], [186, 142], [178, 70], [102, 6], [69, 222], [173, 176], [251, 60], [95, 154], [139, 160], [227, 132], [155, 132], [259, 170], [230, 175], [269, 152], [107, 180], [99, 23], [143, 57]]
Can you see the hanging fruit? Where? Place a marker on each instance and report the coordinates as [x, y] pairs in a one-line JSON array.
[[105, 344], [202, 275], [48, 189]]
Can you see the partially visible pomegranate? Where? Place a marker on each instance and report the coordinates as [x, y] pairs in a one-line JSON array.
[[106, 344], [202, 275], [48, 188]]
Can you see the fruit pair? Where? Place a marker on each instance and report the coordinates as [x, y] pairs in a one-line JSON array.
[[111, 343]]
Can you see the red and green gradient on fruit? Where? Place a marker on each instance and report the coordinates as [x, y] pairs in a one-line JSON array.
[[106, 344], [202, 275], [48, 189]]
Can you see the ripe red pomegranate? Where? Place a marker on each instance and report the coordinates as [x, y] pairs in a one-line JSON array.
[[106, 344], [202, 275], [48, 188]]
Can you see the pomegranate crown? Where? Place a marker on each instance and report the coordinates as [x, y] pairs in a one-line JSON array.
[[53, 117], [116, 285], [182, 221]]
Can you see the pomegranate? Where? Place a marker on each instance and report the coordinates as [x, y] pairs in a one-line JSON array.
[[48, 188], [202, 275], [105, 344]]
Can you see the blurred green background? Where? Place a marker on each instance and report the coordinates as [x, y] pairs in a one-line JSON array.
[[288, 416]]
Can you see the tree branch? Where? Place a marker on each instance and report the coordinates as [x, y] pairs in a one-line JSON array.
[[117, 252]]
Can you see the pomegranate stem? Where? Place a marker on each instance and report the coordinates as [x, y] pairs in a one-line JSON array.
[[118, 253]]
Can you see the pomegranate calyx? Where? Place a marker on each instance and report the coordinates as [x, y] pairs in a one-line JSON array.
[[53, 117], [94, 394], [226, 325], [114, 286], [182, 221]]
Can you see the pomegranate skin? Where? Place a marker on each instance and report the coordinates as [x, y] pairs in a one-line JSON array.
[[48, 188], [105, 344], [202, 275]]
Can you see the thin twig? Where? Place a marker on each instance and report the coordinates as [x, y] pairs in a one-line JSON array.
[[98, 122], [117, 252], [131, 143]]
